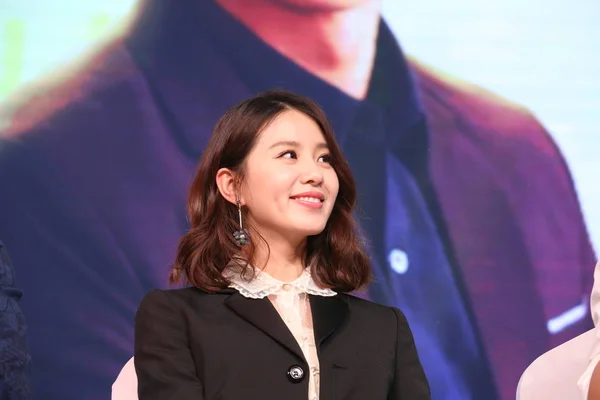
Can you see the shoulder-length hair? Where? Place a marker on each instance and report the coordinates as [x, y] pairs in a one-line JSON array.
[[336, 256]]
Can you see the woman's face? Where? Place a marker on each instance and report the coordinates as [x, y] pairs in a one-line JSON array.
[[289, 186]]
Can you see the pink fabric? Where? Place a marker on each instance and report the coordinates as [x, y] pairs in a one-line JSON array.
[[125, 386]]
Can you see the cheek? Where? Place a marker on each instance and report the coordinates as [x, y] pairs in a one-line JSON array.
[[333, 183], [254, 186], [270, 184]]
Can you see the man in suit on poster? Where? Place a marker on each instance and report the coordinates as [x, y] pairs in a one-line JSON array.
[[475, 228]]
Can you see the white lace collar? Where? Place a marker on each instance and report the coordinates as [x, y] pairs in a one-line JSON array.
[[264, 284]]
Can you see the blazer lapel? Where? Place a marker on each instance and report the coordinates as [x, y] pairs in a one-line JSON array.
[[329, 314], [262, 314]]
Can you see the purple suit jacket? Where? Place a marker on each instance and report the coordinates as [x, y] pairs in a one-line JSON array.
[[97, 166], [515, 221]]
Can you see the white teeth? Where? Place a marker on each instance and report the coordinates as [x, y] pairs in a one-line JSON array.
[[309, 199]]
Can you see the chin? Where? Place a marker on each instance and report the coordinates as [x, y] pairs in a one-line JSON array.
[[309, 230]]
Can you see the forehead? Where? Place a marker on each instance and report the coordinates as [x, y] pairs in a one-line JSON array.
[[292, 125]]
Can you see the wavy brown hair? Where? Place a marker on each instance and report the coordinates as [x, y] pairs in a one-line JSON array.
[[336, 256]]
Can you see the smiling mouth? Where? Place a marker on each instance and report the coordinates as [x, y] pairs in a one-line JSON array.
[[309, 199]]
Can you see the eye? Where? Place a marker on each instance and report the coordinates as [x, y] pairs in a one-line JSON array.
[[291, 154], [326, 158]]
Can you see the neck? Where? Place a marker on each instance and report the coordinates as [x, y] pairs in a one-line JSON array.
[[281, 259], [338, 46]]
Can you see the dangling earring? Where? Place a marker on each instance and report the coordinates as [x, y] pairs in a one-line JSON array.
[[242, 236]]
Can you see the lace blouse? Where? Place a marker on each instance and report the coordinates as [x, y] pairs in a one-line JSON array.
[[291, 301]]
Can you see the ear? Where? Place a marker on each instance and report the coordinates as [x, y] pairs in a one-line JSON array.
[[226, 182]]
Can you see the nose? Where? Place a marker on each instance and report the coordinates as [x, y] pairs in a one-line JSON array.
[[312, 174]]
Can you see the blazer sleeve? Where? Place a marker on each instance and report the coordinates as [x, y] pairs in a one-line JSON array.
[[410, 382], [163, 359], [15, 361]]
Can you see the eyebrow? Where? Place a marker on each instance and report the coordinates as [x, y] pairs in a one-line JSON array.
[[292, 143]]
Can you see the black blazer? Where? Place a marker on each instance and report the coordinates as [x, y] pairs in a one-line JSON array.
[[198, 346]]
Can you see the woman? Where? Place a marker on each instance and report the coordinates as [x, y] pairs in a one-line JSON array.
[[589, 383], [270, 258], [15, 361]]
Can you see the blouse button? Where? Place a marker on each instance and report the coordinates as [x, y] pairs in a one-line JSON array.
[[287, 287]]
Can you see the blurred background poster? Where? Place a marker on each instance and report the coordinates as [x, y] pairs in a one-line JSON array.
[[481, 209]]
